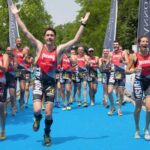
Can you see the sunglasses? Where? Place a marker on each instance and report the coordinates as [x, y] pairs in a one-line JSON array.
[[91, 51]]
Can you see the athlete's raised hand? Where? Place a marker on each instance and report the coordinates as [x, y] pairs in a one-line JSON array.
[[14, 9], [85, 18]]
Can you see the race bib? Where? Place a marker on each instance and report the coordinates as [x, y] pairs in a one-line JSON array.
[[118, 75], [57, 75], [65, 75], [73, 76]]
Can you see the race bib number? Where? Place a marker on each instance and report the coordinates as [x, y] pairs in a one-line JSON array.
[[57, 76], [118, 75], [81, 75], [65, 76], [73, 76], [93, 74], [50, 91]]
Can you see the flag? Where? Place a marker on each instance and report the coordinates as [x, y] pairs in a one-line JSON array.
[[13, 27], [110, 35], [144, 18]]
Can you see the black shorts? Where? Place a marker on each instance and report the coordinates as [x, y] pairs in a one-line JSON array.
[[141, 88], [10, 81], [65, 77], [117, 80], [105, 78], [43, 85], [3, 92], [25, 76]]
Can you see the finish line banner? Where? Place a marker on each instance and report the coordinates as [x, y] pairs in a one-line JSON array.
[[144, 18], [13, 28], [110, 35]]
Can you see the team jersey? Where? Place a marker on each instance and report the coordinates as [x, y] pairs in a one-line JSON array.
[[65, 63], [19, 55], [81, 62], [93, 62], [11, 65], [47, 61], [144, 63], [1, 64]]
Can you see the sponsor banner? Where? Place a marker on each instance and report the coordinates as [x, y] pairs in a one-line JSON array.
[[110, 35], [13, 28]]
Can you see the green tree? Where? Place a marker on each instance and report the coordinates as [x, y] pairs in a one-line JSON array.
[[94, 34]]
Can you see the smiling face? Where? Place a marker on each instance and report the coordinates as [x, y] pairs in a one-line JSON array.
[[18, 42], [49, 37], [116, 46], [80, 50], [143, 43], [106, 52], [9, 51]]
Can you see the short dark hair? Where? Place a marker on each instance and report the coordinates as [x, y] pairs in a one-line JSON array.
[[143, 36], [116, 41], [51, 29]]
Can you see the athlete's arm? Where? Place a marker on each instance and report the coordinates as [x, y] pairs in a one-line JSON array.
[[77, 36], [129, 65], [23, 27], [5, 63], [125, 58]]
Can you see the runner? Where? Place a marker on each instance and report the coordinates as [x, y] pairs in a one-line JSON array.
[[104, 65], [58, 92], [82, 68], [26, 73], [46, 60], [4, 63], [19, 55], [92, 77], [141, 86], [11, 79], [117, 77], [73, 63], [65, 81]]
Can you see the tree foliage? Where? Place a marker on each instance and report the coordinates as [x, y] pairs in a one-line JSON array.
[[94, 33]]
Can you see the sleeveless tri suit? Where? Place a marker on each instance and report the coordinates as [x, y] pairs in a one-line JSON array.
[[45, 82], [2, 82], [141, 84], [117, 75]]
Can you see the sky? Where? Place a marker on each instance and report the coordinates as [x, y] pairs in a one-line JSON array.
[[62, 11]]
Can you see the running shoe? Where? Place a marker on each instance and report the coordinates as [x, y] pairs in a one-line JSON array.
[[124, 102], [85, 104], [146, 135], [2, 136], [57, 105], [92, 103], [117, 101], [13, 113], [47, 140], [36, 124], [137, 135], [64, 108], [119, 112], [103, 102], [106, 105], [79, 103], [26, 105], [112, 110], [70, 101], [68, 107], [21, 106]]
